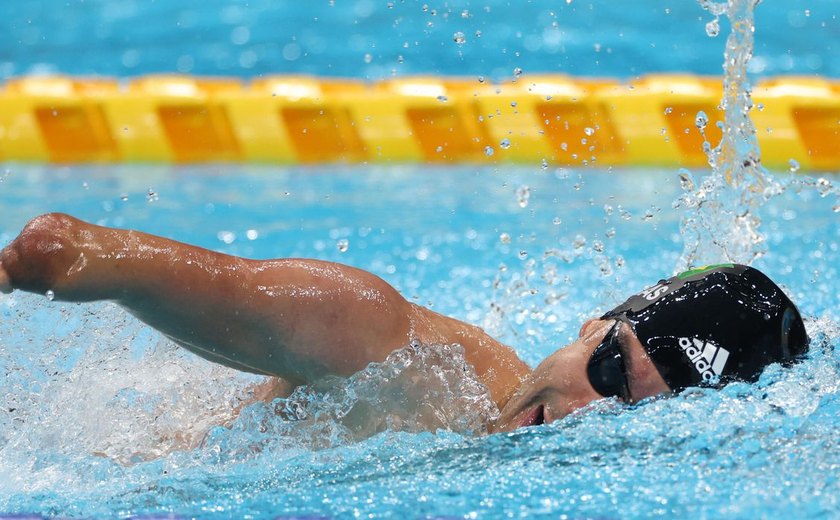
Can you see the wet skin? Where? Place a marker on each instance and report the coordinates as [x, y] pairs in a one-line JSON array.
[[297, 320], [560, 385]]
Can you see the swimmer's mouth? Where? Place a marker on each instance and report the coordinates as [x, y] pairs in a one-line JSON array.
[[534, 418]]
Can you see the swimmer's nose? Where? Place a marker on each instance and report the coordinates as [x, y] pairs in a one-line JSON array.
[[585, 325]]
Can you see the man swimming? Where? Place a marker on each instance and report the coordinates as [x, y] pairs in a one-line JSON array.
[[300, 320]]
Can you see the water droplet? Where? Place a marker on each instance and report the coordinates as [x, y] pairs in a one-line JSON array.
[[523, 255], [836, 208], [794, 165], [598, 246], [342, 245], [824, 186], [152, 196], [442, 99], [544, 164], [488, 151], [668, 110], [579, 242], [481, 79], [523, 193], [50, 295], [513, 104], [588, 131], [459, 38], [517, 72], [368, 58], [713, 28], [228, 237], [701, 121], [556, 221], [252, 234], [124, 197], [505, 143], [686, 180], [465, 13], [504, 238]]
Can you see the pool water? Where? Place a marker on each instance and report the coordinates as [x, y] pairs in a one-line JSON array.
[[379, 39], [104, 418]]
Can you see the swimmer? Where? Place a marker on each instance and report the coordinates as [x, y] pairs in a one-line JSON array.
[[299, 320]]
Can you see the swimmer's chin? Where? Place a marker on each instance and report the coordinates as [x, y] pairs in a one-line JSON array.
[[534, 415]]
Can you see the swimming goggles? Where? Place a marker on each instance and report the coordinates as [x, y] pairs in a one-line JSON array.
[[606, 370]]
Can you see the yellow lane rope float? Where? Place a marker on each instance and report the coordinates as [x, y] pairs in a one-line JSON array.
[[550, 119]]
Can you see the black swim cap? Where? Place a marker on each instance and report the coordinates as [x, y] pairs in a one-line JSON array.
[[714, 324]]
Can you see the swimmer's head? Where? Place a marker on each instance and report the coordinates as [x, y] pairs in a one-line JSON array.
[[704, 327], [715, 324]]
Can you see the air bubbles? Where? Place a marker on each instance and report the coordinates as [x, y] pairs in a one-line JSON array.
[[589, 131], [544, 164], [504, 144], [459, 38], [668, 110], [556, 221], [442, 99], [504, 238], [481, 79], [523, 255], [794, 165], [342, 245], [517, 72], [50, 295], [489, 151], [368, 58], [152, 195]]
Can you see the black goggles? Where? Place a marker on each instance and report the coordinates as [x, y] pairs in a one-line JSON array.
[[606, 370]]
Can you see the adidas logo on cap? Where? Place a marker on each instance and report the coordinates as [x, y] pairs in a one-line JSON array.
[[709, 360]]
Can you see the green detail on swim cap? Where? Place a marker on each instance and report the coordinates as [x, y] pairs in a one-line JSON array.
[[702, 269]]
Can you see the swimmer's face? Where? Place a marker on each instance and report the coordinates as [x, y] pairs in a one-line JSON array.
[[560, 384]]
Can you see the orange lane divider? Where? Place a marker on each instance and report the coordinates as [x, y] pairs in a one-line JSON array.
[[550, 119]]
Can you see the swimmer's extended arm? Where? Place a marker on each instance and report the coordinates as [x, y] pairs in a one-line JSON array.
[[296, 319], [292, 318]]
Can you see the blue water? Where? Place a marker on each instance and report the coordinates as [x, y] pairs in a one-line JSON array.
[[98, 400], [377, 38], [101, 417]]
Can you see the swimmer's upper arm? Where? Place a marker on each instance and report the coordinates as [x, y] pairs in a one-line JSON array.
[[297, 319]]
